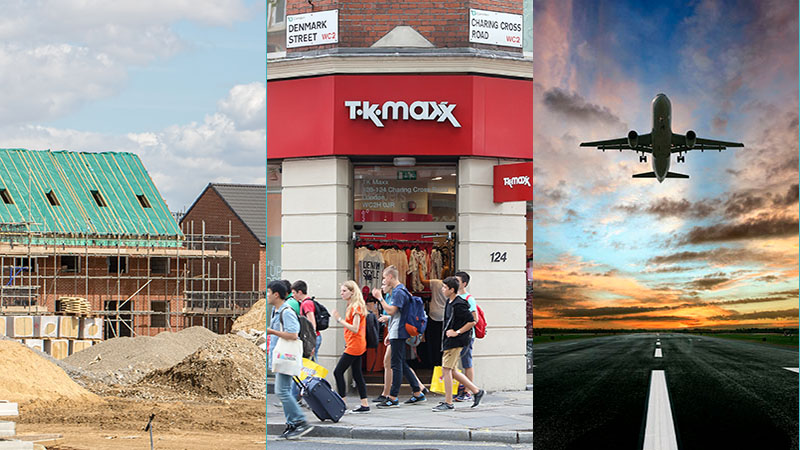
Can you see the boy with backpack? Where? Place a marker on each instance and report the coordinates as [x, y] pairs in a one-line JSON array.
[[466, 352], [311, 309], [458, 324], [399, 326]]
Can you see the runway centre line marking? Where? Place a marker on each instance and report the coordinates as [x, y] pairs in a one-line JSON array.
[[658, 353], [793, 369], [659, 431]]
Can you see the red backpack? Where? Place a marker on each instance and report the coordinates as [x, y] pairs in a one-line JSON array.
[[480, 327]]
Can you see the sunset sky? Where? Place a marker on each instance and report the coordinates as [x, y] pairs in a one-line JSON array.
[[717, 250]]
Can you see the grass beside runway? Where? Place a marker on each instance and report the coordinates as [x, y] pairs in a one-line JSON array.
[[764, 338], [547, 338]]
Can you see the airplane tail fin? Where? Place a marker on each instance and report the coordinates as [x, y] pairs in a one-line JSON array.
[[676, 175], [645, 175]]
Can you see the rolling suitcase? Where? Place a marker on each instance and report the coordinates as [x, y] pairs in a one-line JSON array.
[[324, 402]]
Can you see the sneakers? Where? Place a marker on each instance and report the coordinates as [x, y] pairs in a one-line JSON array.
[[442, 406], [289, 427], [463, 397], [380, 399], [478, 398], [361, 409], [389, 403], [414, 399], [298, 430]]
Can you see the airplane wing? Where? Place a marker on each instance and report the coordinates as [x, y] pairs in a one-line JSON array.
[[643, 144], [679, 144]]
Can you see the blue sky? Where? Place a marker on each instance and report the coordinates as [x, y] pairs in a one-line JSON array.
[[617, 252], [180, 83]]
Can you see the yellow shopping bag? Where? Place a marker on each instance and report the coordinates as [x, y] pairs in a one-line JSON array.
[[437, 381], [312, 369]]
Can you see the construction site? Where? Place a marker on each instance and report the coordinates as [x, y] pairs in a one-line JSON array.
[[113, 310]]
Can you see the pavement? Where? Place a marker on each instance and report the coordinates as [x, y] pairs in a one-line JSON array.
[[697, 392], [503, 417]]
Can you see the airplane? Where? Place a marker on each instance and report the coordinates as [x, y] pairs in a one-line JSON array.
[[661, 142]]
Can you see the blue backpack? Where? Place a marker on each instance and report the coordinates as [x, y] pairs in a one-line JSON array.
[[414, 315]]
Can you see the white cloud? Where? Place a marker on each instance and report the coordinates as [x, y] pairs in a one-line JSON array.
[[181, 159]]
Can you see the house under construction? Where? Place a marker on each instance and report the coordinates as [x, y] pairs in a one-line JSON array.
[[93, 225]]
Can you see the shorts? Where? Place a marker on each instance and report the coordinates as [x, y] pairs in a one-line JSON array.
[[466, 355], [450, 358]]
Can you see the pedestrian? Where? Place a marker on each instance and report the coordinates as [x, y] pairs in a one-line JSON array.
[[433, 332], [397, 340], [466, 352], [458, 324], [387, 356], [355, 338], [296, 424], [307, 309], [293, 303]]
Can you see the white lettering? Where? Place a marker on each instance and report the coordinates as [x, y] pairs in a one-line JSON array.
[[419, 110], [512, 181]]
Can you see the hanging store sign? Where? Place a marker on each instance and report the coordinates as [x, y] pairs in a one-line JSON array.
[[513, 182], [495, 28], [402, 111], [317, 28]]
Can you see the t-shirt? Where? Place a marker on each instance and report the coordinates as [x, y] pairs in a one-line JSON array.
[[473, 306], [294, 304], [438, 301], [370, 269], [399, 299], [355, 343], [306, 307], [290, 325]]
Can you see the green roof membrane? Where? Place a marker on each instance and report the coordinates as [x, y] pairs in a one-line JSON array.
[[76, 182]]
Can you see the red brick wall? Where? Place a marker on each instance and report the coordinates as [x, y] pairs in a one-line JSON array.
[[443, 23], [247, 252]]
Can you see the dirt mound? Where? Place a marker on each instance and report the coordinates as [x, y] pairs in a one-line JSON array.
[[126, 360], [27, 376], [229, 367], [255, 318]]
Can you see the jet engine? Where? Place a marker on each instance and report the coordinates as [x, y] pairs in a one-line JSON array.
[[633, 139], [691, 137]]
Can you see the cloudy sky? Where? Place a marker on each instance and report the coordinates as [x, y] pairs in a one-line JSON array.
[[717, 250], [179, 82]]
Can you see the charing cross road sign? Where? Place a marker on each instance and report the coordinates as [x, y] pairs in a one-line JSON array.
[[402, 111]]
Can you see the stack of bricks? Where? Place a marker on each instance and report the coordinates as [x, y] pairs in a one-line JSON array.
[[8, 429], [362, 22]]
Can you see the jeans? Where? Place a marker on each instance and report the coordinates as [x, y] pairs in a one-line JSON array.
[[400, 368], [354, 363], [316, 350], [466, 355], [283, 386]]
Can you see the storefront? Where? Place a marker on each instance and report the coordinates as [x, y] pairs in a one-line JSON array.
[[372, 170]]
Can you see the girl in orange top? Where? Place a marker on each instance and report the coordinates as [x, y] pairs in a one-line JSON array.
[[355, 338]]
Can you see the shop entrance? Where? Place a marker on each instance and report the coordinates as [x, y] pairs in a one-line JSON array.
[[423, 260]]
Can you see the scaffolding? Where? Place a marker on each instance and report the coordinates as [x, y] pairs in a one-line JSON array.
[[190, 276]]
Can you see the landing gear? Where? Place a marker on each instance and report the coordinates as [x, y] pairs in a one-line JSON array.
[[643, 159], [681, 159]]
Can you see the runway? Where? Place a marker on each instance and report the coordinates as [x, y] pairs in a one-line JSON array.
[[713, 393]]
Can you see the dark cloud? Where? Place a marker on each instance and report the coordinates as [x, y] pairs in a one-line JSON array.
[[670, 269], [707, 283], [761, 227], [666, 207], [608, 311], [555, 294], [768, 278], [720, 255], [749, 300], [642, 319], [790, 198], [782, 314], [574, 106], [741, 203]]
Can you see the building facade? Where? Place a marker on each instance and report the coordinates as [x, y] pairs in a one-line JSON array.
[[404, 129]]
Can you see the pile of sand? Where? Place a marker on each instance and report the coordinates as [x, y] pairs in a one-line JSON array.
[[126, 360], [229, 367], [255, 318], [27, 376]]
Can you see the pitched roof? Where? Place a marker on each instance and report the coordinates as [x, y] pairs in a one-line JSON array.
[[86, 193], [248, 202]]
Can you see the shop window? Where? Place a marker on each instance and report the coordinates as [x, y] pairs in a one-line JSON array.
[[70, 264], [98, 198], [6, 196], [158, 318], [143, 201], [159, 265], [117, 264], [51, 197]]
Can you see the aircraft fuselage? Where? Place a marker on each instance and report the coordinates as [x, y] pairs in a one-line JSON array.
[[661, 136]]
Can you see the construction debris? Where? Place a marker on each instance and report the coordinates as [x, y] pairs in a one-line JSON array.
[[255, 318]]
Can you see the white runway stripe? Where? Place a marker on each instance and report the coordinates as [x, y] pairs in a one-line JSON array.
[[793, 369], [658, 353], [659, 432]]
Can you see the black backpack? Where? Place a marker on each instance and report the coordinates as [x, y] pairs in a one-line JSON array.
[[321, 315], [306, 335], [373, 330]]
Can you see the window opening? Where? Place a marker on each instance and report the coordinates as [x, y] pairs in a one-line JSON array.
[[6, 196], [143, 201], [98, 198], [70, 264], [51, 197], [117, 265]]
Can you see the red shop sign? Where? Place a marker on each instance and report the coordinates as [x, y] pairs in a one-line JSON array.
[[513, 182]]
